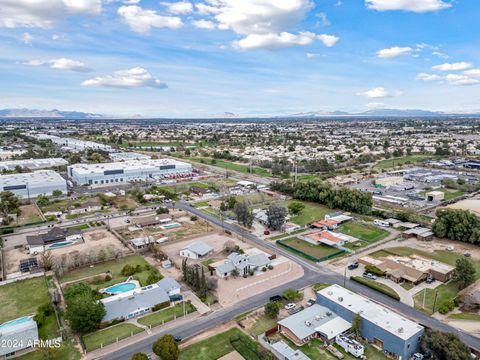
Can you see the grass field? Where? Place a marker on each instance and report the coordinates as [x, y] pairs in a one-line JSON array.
[[216, 346], [109, 335], [66, 351], [449, 194], [262, 324], [165, 315], [445, 292], [115, 267], [368, 234], [408, 159], [230, 166], [317, 251], [22, 298], [465, 316], [312, 212]]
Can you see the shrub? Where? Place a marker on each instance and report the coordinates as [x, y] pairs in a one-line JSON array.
[[128, 270], [108, 277], [264, 269], [374, 270], [270, 267], [161, 306]]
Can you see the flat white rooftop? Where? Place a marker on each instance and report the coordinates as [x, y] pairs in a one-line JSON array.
[[33, 164], [371, 311], [36, 177], [132, 165]]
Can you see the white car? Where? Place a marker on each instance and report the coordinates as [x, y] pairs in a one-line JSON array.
[[290, 306]]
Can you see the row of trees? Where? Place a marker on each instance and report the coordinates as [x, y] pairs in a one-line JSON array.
[[195, 278], [323, 193], [460, 225]]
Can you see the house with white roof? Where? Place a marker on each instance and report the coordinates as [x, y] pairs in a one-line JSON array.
[[243, 263], [17, 335], [196, 250]]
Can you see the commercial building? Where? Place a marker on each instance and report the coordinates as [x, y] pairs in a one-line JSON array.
[[435, 196], [31, 185], [32, 164], [125, 156], [388, 330], [17, 335], [55, 238], [74, 145], [314, 322], [128, 171]]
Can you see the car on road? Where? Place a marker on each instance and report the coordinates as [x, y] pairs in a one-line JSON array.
[[369, 276], [290, 306], [353, 266], [177, 338], [276, 298], [311, 302]]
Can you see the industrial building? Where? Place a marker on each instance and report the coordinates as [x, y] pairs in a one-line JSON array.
[[125, 156], [17, 335], [128, 171], [74, 145], [386, 329], [32, 164], [33, 184]]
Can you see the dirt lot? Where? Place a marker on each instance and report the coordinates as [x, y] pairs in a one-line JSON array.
[[29, 214], [93, 239]]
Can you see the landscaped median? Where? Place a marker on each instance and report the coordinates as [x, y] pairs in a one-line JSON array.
[[163, 316], [382, 288], [109, 336], [309, 251]]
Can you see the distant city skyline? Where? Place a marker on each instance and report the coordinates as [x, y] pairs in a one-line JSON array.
[[250, 57]]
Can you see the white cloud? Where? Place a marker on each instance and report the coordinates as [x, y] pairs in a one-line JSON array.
[[132, 78], [27, 38], [458, 66], [312, 55], [418, 6], [393, 52], [282, 40], [323, 19], [263, 23], [440, 54], [44, 13], [428, 77], [142, 21], [375, 105], [472, 73], [204, 24], [180, 7], [61, 64], [377, 93], [457, 79]]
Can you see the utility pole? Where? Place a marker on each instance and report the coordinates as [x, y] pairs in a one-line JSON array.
[[345, 277], [435, 300]]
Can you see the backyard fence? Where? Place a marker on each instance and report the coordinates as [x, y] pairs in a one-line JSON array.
[[308, 256]]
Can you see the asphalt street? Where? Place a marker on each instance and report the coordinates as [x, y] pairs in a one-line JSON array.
[[313, 273]]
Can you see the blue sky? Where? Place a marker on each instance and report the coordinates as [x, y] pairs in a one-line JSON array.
[[249, 57]]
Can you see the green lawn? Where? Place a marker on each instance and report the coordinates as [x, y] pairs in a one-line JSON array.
[[465, 316], [320, 286], [229, 165], [368, 234], [66, 351], [166, 315], [115, 268], [219, 345], [408, 159], [312, 212], [22, 298], [109, 335], [263, 324], [317, 251], [446, 292], [384, 289]]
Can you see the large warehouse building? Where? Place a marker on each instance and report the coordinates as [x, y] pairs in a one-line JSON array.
[[31, 185], [128, 171], [32, 164]]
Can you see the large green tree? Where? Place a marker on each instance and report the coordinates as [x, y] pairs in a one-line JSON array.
[[295, 207], [464, 273], [85, 313], [272, 309], [458, 225], [244, 214], [445, 346], [166, 347], [9, 203], [276, 217], [140, 356]]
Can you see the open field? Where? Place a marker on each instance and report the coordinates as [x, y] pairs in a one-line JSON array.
[[317, 251], [368, 234], [109, 335], [229, 165], [66, 351], [115, 267], [219, 345], [166, 315], [30, 214], [312, 212], [22, 298], [408, 159]]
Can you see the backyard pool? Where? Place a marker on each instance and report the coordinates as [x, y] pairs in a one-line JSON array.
[[122, 287], [16, 322], [170, 226], [60, 244]]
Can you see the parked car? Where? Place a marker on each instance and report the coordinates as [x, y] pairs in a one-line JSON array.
[[276, 298], [353, 266], [429, 280], [266, 232], [467, 254], [177, 338], [295, 310], [176, 297], [311, 302], [370, 276], [290, 306]]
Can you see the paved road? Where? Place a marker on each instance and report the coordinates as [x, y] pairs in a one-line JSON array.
[[313, 274]]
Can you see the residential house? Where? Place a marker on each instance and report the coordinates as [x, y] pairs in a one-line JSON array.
[[243, 263], [56, 237], [328, 238], [284, 352], [17, 335], [196, 250], [170, 285]]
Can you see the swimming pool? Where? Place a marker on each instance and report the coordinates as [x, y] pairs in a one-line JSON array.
[[61, 244], [119, 288], [171, 226], [16, 321]]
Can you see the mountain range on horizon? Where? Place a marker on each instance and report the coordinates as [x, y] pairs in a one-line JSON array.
[[59, 114]]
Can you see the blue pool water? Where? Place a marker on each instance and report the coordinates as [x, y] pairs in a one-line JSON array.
[[119, 288], [171, 226], [16, 322], [62, 244]]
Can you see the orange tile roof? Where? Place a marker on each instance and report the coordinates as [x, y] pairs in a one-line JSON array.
[[327, 223], [317, 236]]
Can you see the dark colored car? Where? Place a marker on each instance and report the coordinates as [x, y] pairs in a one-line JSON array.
[[177, 338], [266, 232], [353, 266], [276, 298], [176, 297]]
